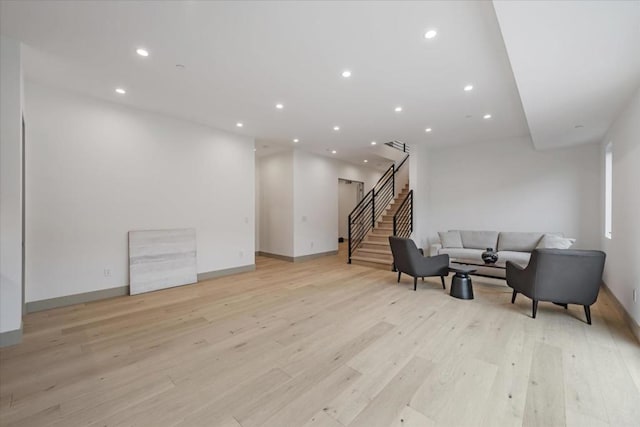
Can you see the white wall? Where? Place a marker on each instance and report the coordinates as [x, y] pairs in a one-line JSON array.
[[347, 200], [512, 187], [299, 201], [419, 182], [96, 170], [10, 185], [316, 200], [622, 268], [276, 203]]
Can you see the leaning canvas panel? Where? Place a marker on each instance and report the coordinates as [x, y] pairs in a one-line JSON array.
[[160, 259]]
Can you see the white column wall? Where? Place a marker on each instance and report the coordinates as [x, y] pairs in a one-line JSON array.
[[10, 185]]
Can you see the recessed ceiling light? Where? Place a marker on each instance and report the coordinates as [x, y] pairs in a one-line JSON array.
[[333, 151], [120, 91], [486, 116], [373, 143], [430, 34], [427, 130], [142, 52], [468, 88], [296, 140], [279, 106], [366, 161], [336, 128], [397, 109], [239, 124], [346, 74]]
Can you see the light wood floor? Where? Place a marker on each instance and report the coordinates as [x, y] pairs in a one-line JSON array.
[[321, 343]]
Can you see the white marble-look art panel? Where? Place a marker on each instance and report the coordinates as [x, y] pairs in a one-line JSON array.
[[160, 259]]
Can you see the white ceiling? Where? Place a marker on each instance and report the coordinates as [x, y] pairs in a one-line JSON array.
[[576, 64], [241, 58]]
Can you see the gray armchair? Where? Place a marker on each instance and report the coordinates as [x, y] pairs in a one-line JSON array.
[[408, 259], [560, 276]]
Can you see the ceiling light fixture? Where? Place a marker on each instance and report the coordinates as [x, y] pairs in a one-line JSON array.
[[468, 88], [366, 161], [336, 128], [142, 52], [430, 34], [333, 151], [239, 124], [398, 109], [279, 106], [296, 140], [373, 143], [120, 91], [486, 116], [427, 130], [346, 74]]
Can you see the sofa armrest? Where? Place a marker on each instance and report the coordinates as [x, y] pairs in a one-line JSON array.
[[435, 249]]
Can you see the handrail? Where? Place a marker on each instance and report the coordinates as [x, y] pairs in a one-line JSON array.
[[402, 162], [403, 218], [364, 216]]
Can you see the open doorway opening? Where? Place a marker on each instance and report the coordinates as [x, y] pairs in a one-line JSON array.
[[349, 194]]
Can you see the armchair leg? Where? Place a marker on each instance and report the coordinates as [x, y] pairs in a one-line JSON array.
[[399, 274], [415, 283], [442, 280], [587, 312], [513, 296], [535, 308]]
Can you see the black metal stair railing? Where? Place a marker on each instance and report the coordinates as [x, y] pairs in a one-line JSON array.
[[365, 215], [403, 218], [398, 145]]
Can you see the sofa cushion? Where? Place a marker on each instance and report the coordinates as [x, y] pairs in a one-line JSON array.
[[520, 258], [463, 253], [479, 239], [553, 241], [450, 239], [517, 241]]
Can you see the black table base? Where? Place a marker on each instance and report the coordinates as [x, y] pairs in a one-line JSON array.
[[461, 286]]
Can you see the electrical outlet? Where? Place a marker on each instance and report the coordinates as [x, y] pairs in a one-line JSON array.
[[107, 272]]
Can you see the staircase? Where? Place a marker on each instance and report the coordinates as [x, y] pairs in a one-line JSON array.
[[386, 210], [374, 250]]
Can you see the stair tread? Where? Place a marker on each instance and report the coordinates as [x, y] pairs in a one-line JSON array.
[[373, 260], [376, 251]]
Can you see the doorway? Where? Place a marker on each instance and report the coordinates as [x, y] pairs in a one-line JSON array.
[[349, 194]]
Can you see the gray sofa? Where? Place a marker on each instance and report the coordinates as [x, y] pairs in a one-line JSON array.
[[510, 246]]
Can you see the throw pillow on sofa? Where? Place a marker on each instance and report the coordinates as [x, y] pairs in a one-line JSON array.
[[450, 239], [552, 241]]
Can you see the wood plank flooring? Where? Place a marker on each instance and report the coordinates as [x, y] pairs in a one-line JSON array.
[[321, 343]]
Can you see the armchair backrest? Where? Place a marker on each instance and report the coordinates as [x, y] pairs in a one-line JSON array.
[[405, 254], [567, 276]]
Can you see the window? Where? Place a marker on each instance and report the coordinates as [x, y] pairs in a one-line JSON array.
[[608, 188]]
